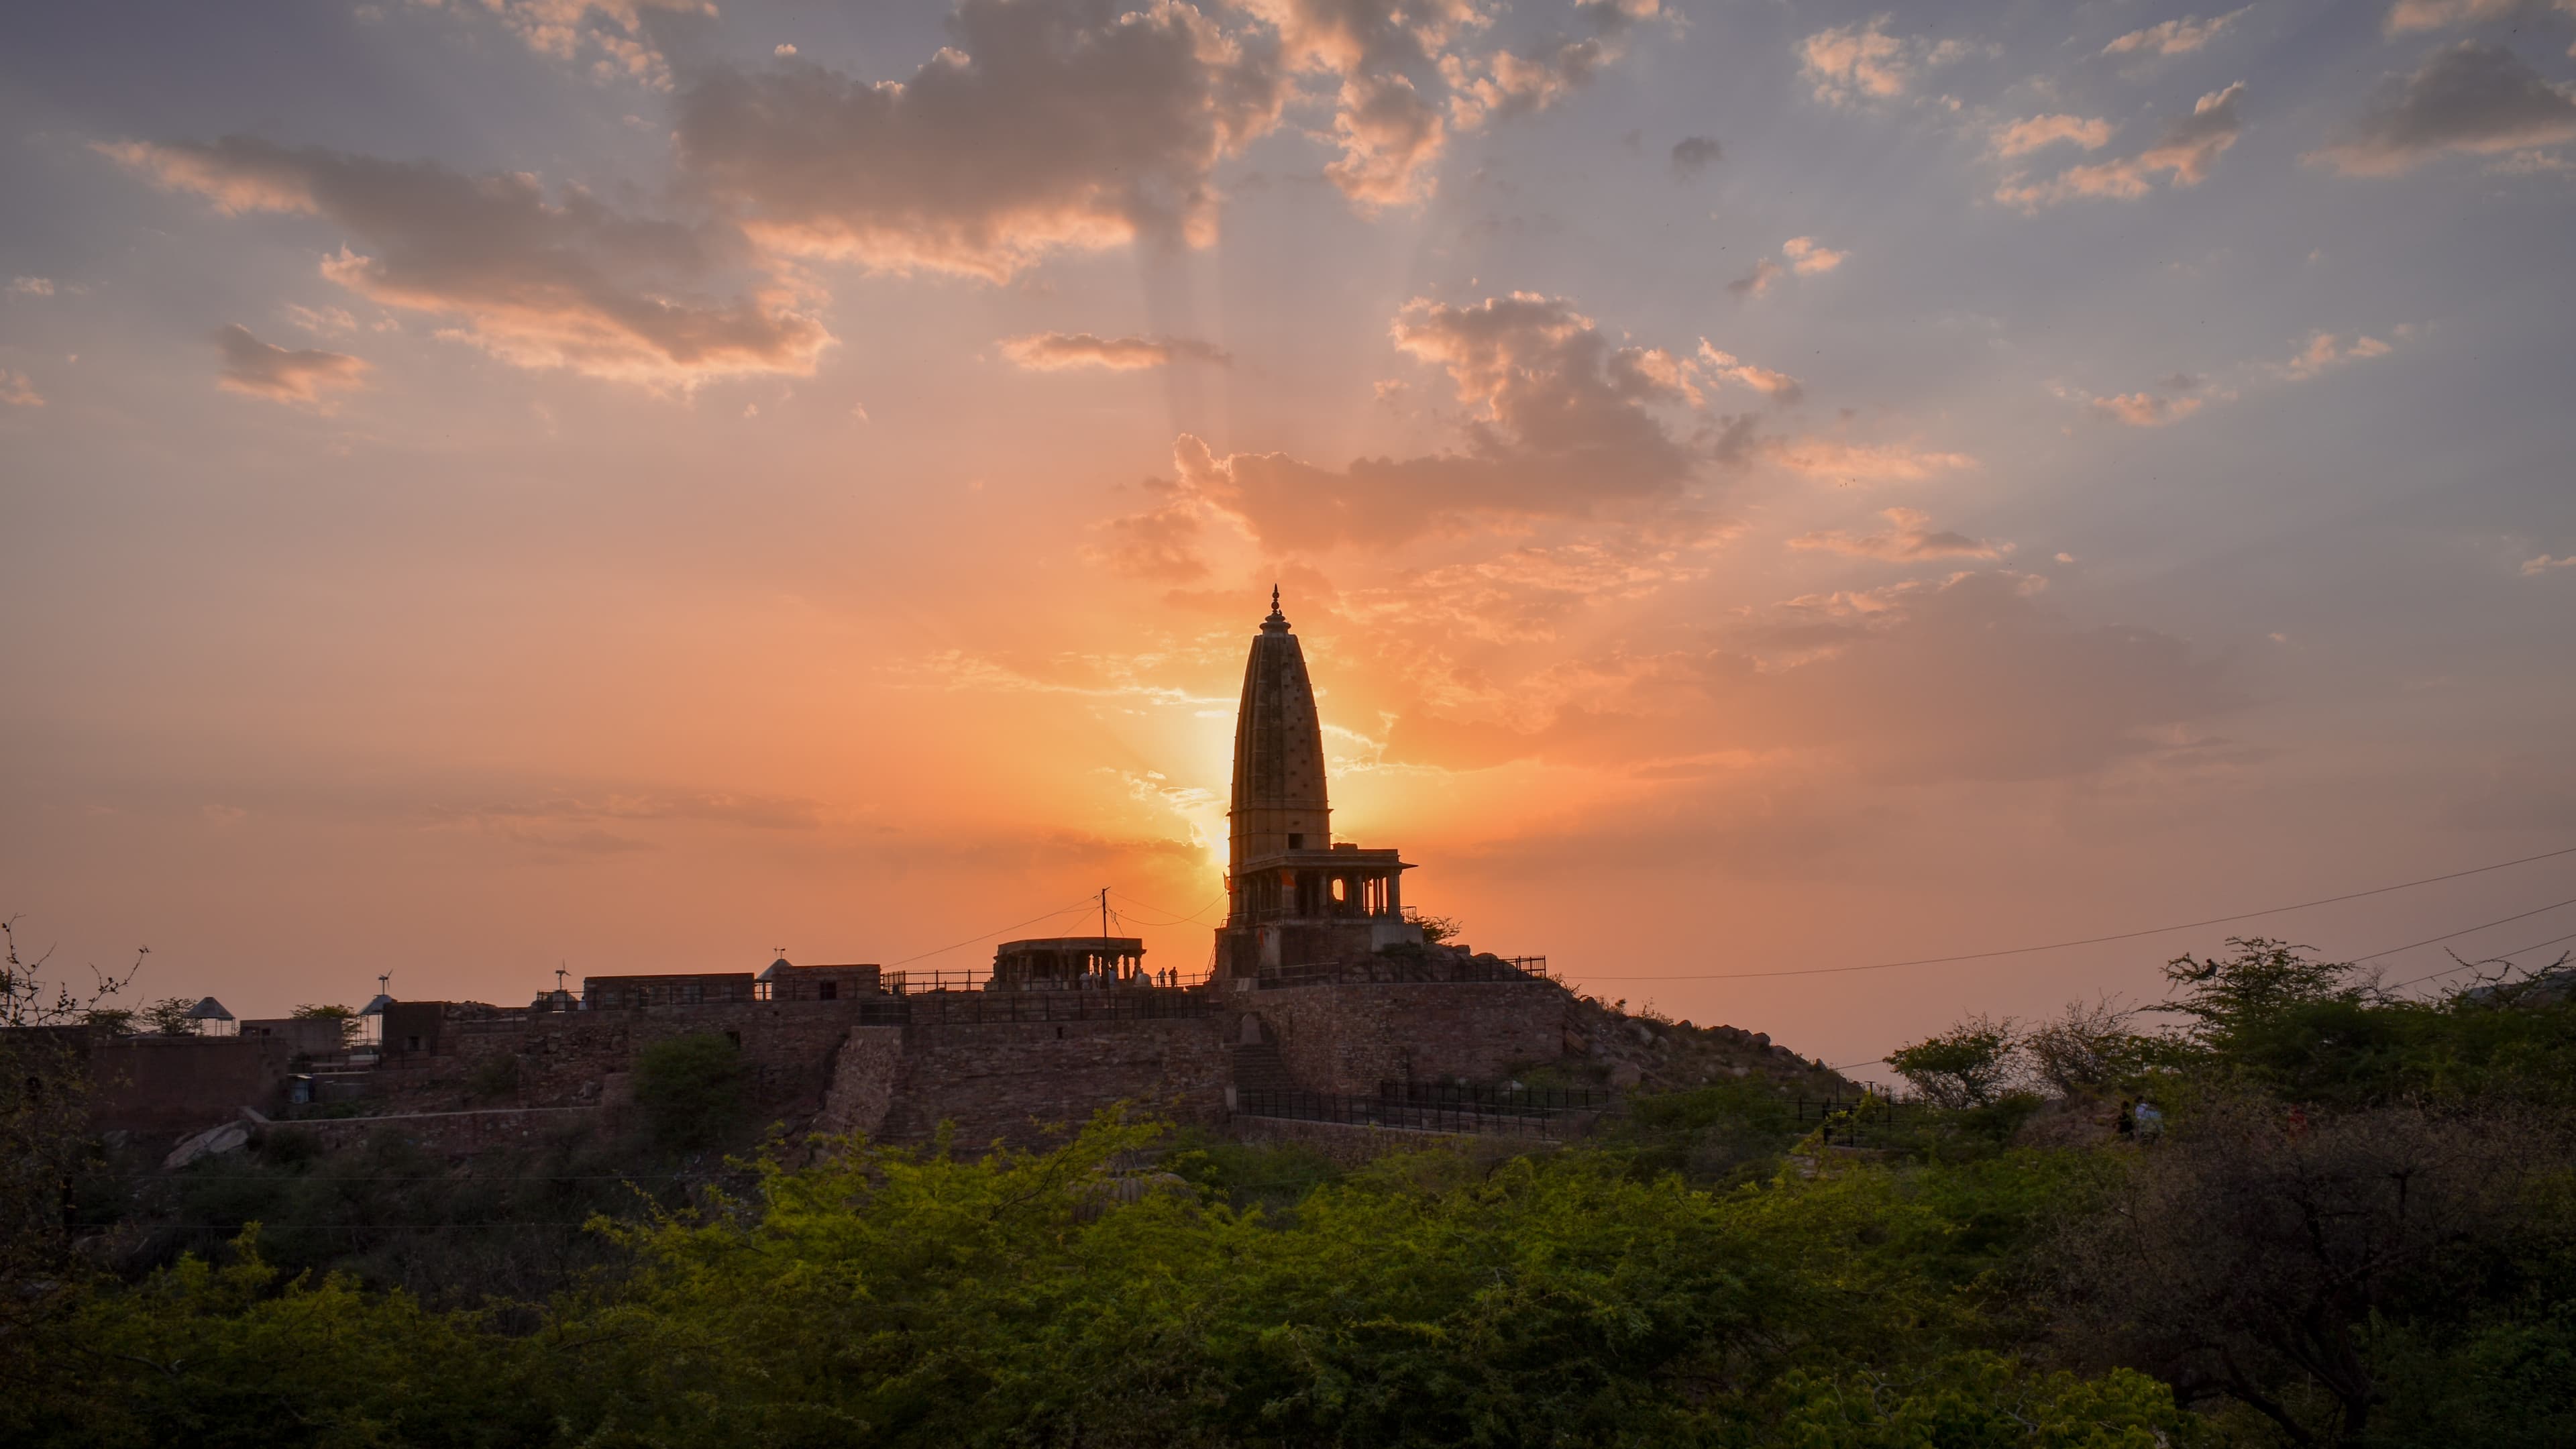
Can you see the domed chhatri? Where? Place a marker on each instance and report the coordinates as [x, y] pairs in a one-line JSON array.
[[1296, 897]]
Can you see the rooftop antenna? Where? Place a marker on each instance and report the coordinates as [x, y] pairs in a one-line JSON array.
[[560, 964]]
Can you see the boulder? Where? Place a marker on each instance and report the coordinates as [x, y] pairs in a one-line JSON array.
[[230, 1137]]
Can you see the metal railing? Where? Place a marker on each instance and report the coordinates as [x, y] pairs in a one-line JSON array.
[[999, 1008], [913, 983], [1412, 1116], [1404, 969], [1857, 1121]]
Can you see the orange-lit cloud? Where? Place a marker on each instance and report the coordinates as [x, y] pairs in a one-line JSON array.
[[573, 284], [2534, 567], [2174, 37], [611, 33], [2326, 350], [1837, 460], [1780, 387], [2034, 133], [1849, 64], [18, 391], [2408, 16], [31, 286], [1908, 536], [1055, 351], [2472, 98], [1967, 678], [259, 369], [2183, 155], [2146, 409], [1809, 257]]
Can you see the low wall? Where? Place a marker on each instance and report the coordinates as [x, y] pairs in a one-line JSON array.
[[564, 1057], [454, 1133], [1351, 1037], [1352, 1145]]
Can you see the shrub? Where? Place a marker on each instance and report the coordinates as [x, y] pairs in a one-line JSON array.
[[690, 1088]]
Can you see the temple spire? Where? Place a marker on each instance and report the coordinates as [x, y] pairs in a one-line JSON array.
[[1277, 622]]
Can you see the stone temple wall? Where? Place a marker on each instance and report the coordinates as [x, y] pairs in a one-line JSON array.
[[1352, 1037], [1004, 1081]]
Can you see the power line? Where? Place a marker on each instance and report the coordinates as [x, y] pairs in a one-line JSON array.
[[2464, 931], [2485, 960], [1177, 920], [1084, 904], [2099, 940]]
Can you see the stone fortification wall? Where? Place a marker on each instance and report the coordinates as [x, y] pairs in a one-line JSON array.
[[1002, 1080], [563, 1058], [182, 1083], [1351, 1037], [452, 1133]]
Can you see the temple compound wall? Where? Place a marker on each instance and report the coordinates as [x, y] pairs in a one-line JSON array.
[[1356, 1038], [1008, 1082]]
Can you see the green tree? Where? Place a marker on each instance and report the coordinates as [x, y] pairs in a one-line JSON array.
[[351, 1027], [690, 1088], [1973, 1064]]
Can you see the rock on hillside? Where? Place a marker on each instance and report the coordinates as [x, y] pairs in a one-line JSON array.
[[1660, 1055]]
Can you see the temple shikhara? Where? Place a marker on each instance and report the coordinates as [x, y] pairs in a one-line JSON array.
[[1324, 1012], [1295, 898]]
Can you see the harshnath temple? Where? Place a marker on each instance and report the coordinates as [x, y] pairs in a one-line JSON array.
[[1323, 1014]]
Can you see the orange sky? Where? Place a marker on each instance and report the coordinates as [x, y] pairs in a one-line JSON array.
[[620, 485]]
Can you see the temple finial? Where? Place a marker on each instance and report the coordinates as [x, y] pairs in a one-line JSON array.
[[1277, 623]]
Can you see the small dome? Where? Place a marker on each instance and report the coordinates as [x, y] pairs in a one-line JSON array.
[[209, 1010]]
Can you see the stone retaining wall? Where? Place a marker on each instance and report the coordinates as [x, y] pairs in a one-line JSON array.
[[1349, 1038]]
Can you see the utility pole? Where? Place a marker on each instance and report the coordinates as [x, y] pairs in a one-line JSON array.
[[1104, 911]]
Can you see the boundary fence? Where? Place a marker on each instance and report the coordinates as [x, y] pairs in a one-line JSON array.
[[1868, 1121], [1399, 969], [1414, 1115]]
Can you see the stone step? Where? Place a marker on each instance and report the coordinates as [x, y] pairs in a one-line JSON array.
[[1258, 1067]]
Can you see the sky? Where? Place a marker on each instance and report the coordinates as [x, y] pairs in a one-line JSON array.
[[507, 485]]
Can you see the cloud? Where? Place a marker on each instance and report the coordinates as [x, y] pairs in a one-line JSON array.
[[612, 33], [1970, 678], [1908, 537], [31, 286], [572, 283], [2173, 37], [1855, 463], [2022, 137], [2476, 98], [259, 369], [1045, 126], [2408, 16], [1695, 154], [1780, 387], [1758, 281], [2535, 567], [2146, 409], [1851, 64], [2326, 350], [1561, 426], [1809, 258], [782, 51], [17, 390], [1160, 543], [2184, 155], [1056, 351]]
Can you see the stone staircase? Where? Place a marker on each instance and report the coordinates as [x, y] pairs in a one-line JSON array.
[[1259, 1068]]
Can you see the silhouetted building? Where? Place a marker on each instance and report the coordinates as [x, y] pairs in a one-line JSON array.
[[1295, 898]]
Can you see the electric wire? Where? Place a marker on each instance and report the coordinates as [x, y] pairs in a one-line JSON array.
[[2099, 940], [1086, 903]]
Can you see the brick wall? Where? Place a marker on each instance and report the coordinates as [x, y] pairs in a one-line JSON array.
[[181, 1083], [564, 1057], [453, 1133], [1350, 1037]]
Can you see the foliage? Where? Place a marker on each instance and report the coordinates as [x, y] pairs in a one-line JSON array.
[[169, 1017], [2088, 1049], [351, 1026], [1971, 1065], [1436, 929], [690, 1088]]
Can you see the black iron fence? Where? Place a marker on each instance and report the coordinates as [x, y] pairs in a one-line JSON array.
[[1398, 968], [1413, 1115], [980, 1008], [1868, 1121]]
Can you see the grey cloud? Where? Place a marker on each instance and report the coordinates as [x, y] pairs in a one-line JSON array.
[[571, 283], [1562, 428], [259, 369], [1695, 154], [2475, 98], [1908, 537], [1043, 126]]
